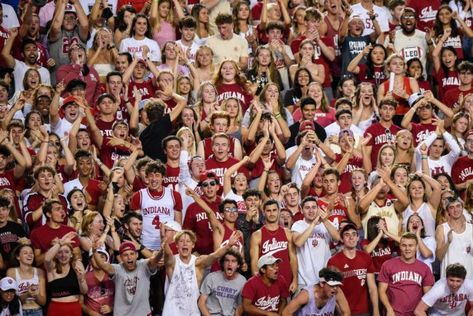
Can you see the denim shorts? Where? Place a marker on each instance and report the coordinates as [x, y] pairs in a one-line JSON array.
[[33, 312]]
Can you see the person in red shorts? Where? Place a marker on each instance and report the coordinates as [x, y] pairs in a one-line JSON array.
[[403, 280], [265, 293], [358, 274]]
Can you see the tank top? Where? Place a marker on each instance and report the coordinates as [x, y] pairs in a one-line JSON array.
[[311, 309], [24, 284], [424, 213], [66, 286], [459, 250], [276, 244], [183, 291], [155, 210], [387, 211], [337, 214], [227, 233], [333, 33], [403, 106], [166, 33]]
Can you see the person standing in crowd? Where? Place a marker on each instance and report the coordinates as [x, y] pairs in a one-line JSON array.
[[404, 280]]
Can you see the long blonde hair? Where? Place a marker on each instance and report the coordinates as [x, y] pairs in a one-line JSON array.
[[193, 149]]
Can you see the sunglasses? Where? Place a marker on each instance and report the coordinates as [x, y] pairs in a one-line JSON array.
[[211, 183], [230, 209]]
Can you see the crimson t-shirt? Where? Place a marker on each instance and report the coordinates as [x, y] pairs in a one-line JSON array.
[[405, 284], [379, 138], [355, 273], [354, 162], [462, 170], [421, 131], [382, 252], [267, 298], [446, 81], [451, 97], [234, 90]]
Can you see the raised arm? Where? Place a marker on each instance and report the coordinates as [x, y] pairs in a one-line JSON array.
[[56, 25], [6, 50], [227, 176]]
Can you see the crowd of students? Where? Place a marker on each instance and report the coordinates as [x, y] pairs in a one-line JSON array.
[[263, 157]]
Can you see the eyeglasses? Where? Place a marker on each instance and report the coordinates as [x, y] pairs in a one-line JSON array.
[[211, 183], [230, 209]]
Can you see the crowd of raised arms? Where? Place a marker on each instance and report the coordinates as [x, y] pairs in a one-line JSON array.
[[236, 157]]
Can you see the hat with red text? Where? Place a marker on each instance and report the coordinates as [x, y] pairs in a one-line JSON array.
[[7, 284], [127, 245], [267, 260]]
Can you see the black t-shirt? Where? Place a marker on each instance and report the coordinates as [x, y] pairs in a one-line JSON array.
[[9, 235], [152, 136], [294, 128]]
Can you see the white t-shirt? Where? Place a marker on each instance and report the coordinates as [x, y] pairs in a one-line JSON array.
[[10, 19], [133, 46], [301, 168], [382, 18], [444, 302], [192, 49], [233, 48], [19, 73], [314, 254]]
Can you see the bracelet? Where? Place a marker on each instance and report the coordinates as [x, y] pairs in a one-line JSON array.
[[265, 170], [424, 158], [278, 116]]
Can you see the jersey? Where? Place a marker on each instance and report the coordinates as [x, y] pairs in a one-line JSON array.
[[275, 243], [355, 272], [156, 208], [171, 179], [337, 214], [386, 211]]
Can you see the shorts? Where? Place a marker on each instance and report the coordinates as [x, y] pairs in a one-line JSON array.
[[64, 308], [33, 312]]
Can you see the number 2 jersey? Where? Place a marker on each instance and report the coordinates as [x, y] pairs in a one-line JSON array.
[[156, 207]]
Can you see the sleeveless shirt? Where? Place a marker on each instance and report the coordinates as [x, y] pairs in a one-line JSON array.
[[403, 106], [337, 214], [387, 211], [276, 244], [424, 213], [183, 291], [459, 250], [24, 284], [310, 309], [66, 286]]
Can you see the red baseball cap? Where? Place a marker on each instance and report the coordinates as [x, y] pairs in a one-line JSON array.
[[206, 175], [127, 245], [306, 125], [69, 99]]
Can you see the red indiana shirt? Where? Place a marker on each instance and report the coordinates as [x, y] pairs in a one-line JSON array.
[[426, 11], [405, 284], [355, 273], [197, 221], [219, 167], [266, 298], [354, 162], [383, 252], [171, 179], [379, 138], [276, 244], [234, 90], [421, 131], [451, 97], [462, 170]]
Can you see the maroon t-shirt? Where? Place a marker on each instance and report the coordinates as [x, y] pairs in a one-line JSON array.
[[146, 88], [267, 298], [110, 154], [378, 76], [104, 127], [426, 11], [355, 273], [462, 170], [197, 221], [33, 202], [379, 138], [171, 179], [208, 146], [219, 167], [234, 90], [451, 97], [382, 252], [445, 81], [354, 162], [421, 131], [42, 237], [405, 284]]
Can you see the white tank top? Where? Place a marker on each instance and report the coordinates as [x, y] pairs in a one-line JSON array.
[[424, 213], [183, 291], [311, 308], [459, 250], [24, 284], [155, 210], [388, 212]]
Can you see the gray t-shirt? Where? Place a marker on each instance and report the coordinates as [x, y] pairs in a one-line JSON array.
[[224, 295], [132, 289]]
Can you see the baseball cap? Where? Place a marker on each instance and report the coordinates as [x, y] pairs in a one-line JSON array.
[[70, 9], [127, 245], [7, 284], [414, 98], [306, 125], [267, 260], [68, 100], [102, 251], [206, 175], [173, 225], [348, 227], [344, 132]]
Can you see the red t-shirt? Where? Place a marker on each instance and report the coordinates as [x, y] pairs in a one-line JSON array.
[[421, 131], [7, 180], [208, 146], [426, 11], [42, 237], [382, 252], [451, 97], [376, 78], [197, 221], [234, 90], [258, 168], [267, 298], [33, 202], [445, 81], [462, 170], [355, 273], [110, 154], [104, 127], [337, 214], [405, 282], [354, 162], [379, 138], [219, 167], [171, 179]]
